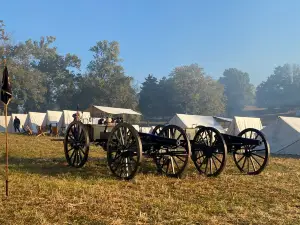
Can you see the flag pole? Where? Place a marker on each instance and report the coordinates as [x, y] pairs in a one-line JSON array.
[[6, 144], [6, 147]]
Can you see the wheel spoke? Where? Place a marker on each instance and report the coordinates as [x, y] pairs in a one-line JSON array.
[[214, 163], [256, 160], [258, 155], [210, 165], [241, 158], [206, 164], [244, 163], [252, 163]]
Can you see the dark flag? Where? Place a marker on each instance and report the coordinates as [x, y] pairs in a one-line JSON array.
[[6, 93]]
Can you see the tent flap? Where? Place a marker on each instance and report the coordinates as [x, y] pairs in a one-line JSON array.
[[22, 118], [36, 119]]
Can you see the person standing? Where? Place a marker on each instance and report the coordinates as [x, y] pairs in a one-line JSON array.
[[17, 123]]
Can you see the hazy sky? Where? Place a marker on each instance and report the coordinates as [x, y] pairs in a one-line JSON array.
[[157, 35]]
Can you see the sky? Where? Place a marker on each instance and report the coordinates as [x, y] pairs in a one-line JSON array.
[[155, 36]]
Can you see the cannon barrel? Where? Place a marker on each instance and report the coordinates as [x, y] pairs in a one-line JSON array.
[[236, 140], [159, 140]]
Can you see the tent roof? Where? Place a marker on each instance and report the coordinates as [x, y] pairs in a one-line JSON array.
[[223, 118], [294, 122], [191, 121], [53, 116], [37, 118], [96, 110], [240, 123]]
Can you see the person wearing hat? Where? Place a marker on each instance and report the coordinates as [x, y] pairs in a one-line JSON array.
[[76, 116]]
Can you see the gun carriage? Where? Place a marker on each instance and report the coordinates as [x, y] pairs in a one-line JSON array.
[[250, 150], [168, 146], [125, 146]]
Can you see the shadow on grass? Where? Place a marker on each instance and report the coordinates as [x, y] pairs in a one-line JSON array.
[[58, 167], [95, 168]]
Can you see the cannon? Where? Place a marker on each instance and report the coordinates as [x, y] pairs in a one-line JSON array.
[[168, 146], [250, 150], [170, 149]]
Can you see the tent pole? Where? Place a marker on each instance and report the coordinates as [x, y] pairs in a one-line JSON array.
[[6, 148]]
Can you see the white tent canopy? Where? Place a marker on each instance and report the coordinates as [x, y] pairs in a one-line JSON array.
[[2, 123], [223, 119], [97, 111], [66, 118], [22, 118], [284, 135], [35, 119], [191, 121], [86, 117], [145, 129], [53, 117], [137, 127], [240, 123]]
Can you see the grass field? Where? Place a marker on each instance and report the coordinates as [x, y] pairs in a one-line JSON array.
[[44, 190]]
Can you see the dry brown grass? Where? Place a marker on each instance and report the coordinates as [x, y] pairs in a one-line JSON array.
[[43, 190]]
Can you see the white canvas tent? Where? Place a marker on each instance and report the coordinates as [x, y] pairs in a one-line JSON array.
[[22, 118], [98, 111], [284, 135], [137, 127], [53, 118], [86, 117], [35, 119], [2, 123], [241, 123], [95, 120], [223, 119], [66, 118], [191, 121], [145, 129]]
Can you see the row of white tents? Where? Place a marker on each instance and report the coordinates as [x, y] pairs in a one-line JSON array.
[[237, 124], [36, 119], [283, 135]]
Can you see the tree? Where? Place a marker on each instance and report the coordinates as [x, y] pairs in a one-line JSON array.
[[195, 93], [58, 70], [105, 82], [26, 81], [186, 90], [281, 88], [148, 97], [238, 90]]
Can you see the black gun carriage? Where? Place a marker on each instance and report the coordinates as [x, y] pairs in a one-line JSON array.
[[250, 150], [126, 147], [168, 146]]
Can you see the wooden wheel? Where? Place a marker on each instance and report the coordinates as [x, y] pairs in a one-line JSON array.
[[170, 160], [209, 151], [124, 151], [252, 159], [76, 144], [157, 129], [199, 127]]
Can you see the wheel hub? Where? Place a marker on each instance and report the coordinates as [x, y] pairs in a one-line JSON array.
[[247, 152]]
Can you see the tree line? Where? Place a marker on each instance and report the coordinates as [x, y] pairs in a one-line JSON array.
[[44, 79]]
